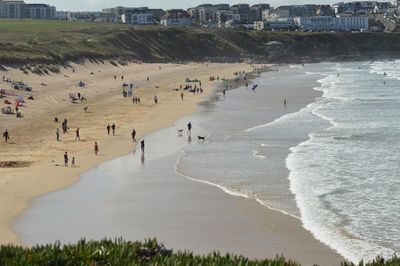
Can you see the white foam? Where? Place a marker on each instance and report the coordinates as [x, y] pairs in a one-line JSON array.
[[342, 239]]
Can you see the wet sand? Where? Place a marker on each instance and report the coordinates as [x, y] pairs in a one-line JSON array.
[[138, 198]]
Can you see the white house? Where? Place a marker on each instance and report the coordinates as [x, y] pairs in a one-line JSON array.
[[177, 18], [345, 23], [139, 17]]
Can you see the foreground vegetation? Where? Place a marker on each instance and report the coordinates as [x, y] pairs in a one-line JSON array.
[[120, 252], [55, 42]]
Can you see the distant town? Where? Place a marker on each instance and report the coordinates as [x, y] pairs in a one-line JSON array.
[[344, 16]]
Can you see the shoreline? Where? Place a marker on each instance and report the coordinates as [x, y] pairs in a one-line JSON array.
[[254, 205], [24, 184]]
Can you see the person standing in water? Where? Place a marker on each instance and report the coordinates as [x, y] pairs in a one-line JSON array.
[[142, 146], [189, 127], [284, 102]]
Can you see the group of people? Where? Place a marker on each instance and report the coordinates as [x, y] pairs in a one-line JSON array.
[[112, 127], [66, 160]]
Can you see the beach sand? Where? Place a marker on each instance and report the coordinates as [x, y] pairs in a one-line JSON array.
[[33, 139], [179, 212]]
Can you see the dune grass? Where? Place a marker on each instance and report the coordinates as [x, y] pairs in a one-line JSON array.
[[150, 252]]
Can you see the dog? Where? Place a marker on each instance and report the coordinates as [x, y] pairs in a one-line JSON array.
[[180, 132], [201, 139]]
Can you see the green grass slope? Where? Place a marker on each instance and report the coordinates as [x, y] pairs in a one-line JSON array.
[[28, 41]]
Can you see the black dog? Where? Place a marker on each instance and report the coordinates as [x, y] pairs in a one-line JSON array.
[[201, 139]]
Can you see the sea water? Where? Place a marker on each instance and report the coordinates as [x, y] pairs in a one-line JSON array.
[[332, 164], [345, 177]]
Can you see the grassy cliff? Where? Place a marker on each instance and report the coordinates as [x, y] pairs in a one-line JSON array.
[[26, 41]]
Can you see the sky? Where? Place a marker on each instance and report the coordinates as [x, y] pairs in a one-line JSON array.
[[97, 5]]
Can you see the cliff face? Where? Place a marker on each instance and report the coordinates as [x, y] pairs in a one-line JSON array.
[[23, 42]]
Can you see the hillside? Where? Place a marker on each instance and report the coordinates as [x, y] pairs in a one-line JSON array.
[[25, 41]]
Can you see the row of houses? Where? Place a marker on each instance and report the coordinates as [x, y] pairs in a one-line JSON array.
[[18, 9], [344, 16]]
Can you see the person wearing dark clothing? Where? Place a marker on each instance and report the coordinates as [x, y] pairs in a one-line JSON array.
[[6, 135], [108, 129], [96, 148], [189, 127], [134, 135], [66, 159], [77, 134], [142, 146], [113, 129]]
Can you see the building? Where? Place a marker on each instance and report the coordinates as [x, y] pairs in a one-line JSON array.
[[135, 15], [207, 13], [277, 13], [281, 24], [324, 10], [83, 16], [260, 25], [11, 9], [107, 18], [39, 11], [227, 17], [365, 7], [138, 17], [176, 18], [346, 23], [256, 11], [244, 11], [302, 10]]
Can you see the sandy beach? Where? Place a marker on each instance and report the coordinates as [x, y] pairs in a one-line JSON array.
[[36, 156], [243, 226]]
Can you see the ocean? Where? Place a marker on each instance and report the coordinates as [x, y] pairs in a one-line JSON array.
[[332, 164]]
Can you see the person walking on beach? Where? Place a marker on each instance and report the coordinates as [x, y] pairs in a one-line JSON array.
[[113, 128], [73, 162], [108, 129], [58, 134], [134, 135], [96, 148], [189, 127], [182, 96], [66, 159], [6, 135], [77, 137], [142, 146], [155, 99]]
